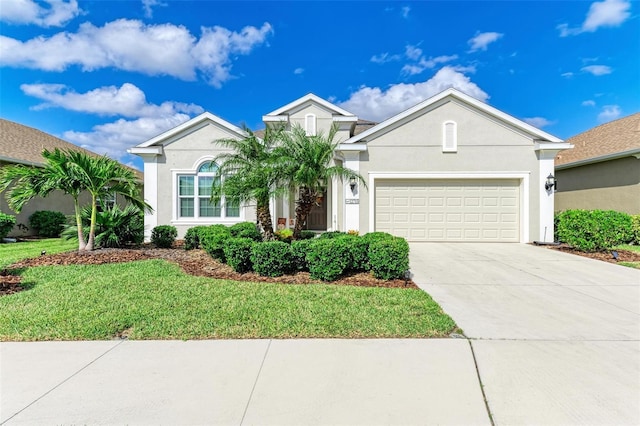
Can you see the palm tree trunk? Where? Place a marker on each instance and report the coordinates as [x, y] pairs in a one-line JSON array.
[[304, 204], [264, 217], [92, 227], [81, 243]]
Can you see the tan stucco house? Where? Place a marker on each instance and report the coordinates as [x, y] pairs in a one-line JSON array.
[[20, 144], [451, 168], [602, 170]]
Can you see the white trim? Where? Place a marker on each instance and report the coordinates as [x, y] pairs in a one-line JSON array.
[[456, 94], [522, 176], [333, 219], [150, 194], [351, 147], [152, 150], [607, 157], [343, 119], [274, 119], [446, 148], [309, 98], [542, 146]]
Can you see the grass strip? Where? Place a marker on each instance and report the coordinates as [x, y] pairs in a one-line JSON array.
[[13, 252]]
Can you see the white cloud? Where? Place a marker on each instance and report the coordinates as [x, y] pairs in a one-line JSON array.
[[383, 58], [148, 5], [56, 13], [127, 101], [298, 71], [597, 70], [609, 112], [482, 40], [405, 11], [133, 46], [538, 122], [373, 103], [424, 63], [412, 52], [115, 138], [567, 74], [606, 13], [589, 102]]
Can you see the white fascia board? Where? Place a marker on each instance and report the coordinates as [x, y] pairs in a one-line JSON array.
[[151, 150], [340, 118], [456, 94], [607, 157], [274, 119], [352, 147], [553, 146], [195, 123], [313, 98]]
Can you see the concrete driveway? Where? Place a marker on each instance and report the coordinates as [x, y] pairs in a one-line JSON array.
[[556, 336]]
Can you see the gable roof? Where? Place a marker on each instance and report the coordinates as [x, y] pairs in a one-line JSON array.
[[187, 127], [603, 142], [308, 98], [24, 145], [534, 132]]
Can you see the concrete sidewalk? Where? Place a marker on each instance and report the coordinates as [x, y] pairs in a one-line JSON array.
[[241, 382]]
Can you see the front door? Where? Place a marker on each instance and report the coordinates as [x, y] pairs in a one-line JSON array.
[[317, 220]]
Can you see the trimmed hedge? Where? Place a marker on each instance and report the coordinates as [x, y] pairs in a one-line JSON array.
[[237, 252], [635, 229], [358, 253], [299, 250], [307, 235], [192, 237], [272, 258], [47, 223], [7, 222], [212, 240], [389, 258], [329, 258], [163, 236], [594, 230], [245, 230]]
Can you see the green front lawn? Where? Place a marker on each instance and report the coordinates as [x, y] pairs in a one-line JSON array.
[[155, 300], [630, 248], [13, 252]]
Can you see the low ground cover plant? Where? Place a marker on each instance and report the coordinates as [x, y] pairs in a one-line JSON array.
[[594, 230], [47, 223]]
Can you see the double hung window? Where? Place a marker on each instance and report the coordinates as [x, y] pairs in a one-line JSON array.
[[194, 195]]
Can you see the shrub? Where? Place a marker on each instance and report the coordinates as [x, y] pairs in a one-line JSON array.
[[272, 258], [163, 236], [376, 236], [307, 235], [284, 235], [359, 253], [328, 258], [118, 227], [192, 237], [635, 228], [332, 234], [237, 252], [7, 222], [389, 258], [594, 230], [299, 251], [212, 240], [47, 223], [245, 230]]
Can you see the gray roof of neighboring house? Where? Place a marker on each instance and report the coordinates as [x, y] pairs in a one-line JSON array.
[[24, 145], [618, 136]]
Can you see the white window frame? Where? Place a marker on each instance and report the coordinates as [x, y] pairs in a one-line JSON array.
[[445, 146], [310, 125], [196, 218]]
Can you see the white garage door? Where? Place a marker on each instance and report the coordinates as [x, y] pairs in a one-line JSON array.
[[449, 210]]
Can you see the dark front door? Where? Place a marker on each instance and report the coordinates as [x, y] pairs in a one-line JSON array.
[[317, 220]]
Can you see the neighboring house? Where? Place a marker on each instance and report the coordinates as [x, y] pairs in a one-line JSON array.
[[20, 144], [602, 171], [451, 168]]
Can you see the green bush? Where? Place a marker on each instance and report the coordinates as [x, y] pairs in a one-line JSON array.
[[635, 225], [307, 235], [328, 258], [237, 252], [117, 227], [299, 251], [272, 258], [192, 237], [46, 223], [7, 222], [285, 235], [163, 236], [245, 230], [359, 253], [332, 234], [212, 240], [376, 236], [389, 258], [594, 230]]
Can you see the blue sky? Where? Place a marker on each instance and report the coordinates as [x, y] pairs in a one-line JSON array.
[[107, 75]]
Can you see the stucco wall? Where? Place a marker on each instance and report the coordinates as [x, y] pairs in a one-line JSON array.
[[610, 185], [485, 146]]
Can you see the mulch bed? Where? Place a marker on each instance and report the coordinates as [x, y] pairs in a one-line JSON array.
[[606, 256], [193, 262]]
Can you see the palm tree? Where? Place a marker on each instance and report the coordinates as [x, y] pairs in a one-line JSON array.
[[308, 161], [249, 173], [101, 176], [28, 182]]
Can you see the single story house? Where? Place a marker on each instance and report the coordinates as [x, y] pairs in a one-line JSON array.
[[602, 170], [20, 144], [451, 168]]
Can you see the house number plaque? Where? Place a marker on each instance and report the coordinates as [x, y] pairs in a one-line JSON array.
[[352, 201]]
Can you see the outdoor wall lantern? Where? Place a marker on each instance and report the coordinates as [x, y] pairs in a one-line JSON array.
[[352, 183], [551, 182]]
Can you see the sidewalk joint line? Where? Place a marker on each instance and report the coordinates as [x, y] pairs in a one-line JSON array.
[[255, 383], [62, 382], [484, 396]]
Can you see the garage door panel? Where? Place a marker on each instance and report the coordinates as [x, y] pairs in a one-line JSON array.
[[449, 210]]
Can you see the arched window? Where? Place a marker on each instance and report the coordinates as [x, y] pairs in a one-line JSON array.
[[194, 195], [449, 136], [310, 124]]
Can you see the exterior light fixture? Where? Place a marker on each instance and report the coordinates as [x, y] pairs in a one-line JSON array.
[[615, 255], [352, 182], [407, 277], [551, 183]]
